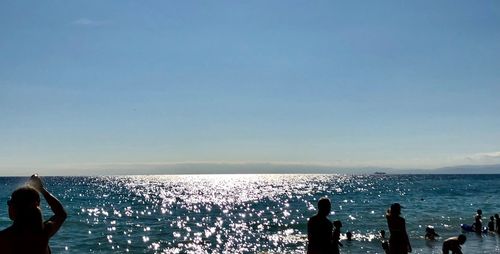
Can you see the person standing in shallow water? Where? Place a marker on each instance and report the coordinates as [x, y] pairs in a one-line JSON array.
[[399, 243], [28, 232], [491, 224], [478, 222], [319, 230], [497, 222]]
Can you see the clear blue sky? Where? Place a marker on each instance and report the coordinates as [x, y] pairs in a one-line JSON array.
[[406, 84]]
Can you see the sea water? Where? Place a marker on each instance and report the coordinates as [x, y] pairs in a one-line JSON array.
[[259, 213]]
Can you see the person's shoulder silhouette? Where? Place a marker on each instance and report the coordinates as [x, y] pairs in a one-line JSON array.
[[319, 229]]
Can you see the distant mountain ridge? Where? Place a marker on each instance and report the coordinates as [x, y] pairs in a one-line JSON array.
[[270, 168], [265, 168], [461, 169]]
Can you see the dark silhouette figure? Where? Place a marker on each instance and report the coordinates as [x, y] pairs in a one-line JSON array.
[[28, 232], [453, 244], [430, 233], [349, 236], [385, 246], [497, 220], [382, 234], [399, 243], [319, 230], [478, 222], [336, 236], [491, 224]]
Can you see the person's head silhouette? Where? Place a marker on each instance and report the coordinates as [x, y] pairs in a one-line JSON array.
[[462, 238], [324, 206], [24, 209], [349, 236], [395, 209], [337, 224]]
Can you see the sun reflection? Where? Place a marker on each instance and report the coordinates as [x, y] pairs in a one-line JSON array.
[[214, 213]]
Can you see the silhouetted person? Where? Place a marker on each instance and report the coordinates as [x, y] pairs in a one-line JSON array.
[[478, 223], [382, 234], [430, 233], [497, 220], [453, 244], [28, 232], [349, 236], [491, 224], [399, 243], [385, 246], [336, 236], [319, 230]]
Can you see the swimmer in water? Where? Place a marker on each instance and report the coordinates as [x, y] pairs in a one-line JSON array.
[[430, 233], [349, 236]]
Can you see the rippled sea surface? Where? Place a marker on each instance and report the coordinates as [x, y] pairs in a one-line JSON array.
[[259, 213]]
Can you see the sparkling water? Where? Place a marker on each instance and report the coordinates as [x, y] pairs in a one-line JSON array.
[[259, 213]]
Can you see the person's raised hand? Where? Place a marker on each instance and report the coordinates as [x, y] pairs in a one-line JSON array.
[[36, 182]]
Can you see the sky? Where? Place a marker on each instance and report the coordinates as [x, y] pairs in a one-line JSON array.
[[89, 85]]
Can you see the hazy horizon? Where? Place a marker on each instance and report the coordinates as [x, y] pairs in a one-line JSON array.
[[203, 168], [86, 85]]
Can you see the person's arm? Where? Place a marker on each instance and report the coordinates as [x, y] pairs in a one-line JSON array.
[[457, 249], [60, 215]]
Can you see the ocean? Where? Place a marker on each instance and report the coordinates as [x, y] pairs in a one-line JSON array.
[[259, 213]]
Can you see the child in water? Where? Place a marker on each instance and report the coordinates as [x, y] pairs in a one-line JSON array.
[[336, 236], [430, 233], [349, 236]]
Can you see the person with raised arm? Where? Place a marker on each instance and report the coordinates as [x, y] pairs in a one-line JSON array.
[[29, 233], [399, 243]]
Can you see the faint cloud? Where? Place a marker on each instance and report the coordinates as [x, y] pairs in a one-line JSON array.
[[88, 22], [485, 157]]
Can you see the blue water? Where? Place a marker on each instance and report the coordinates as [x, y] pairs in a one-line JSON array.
[[259, 213]]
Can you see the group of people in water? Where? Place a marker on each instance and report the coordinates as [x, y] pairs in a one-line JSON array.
[[29, 233], [493, 224], [324, 236]]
